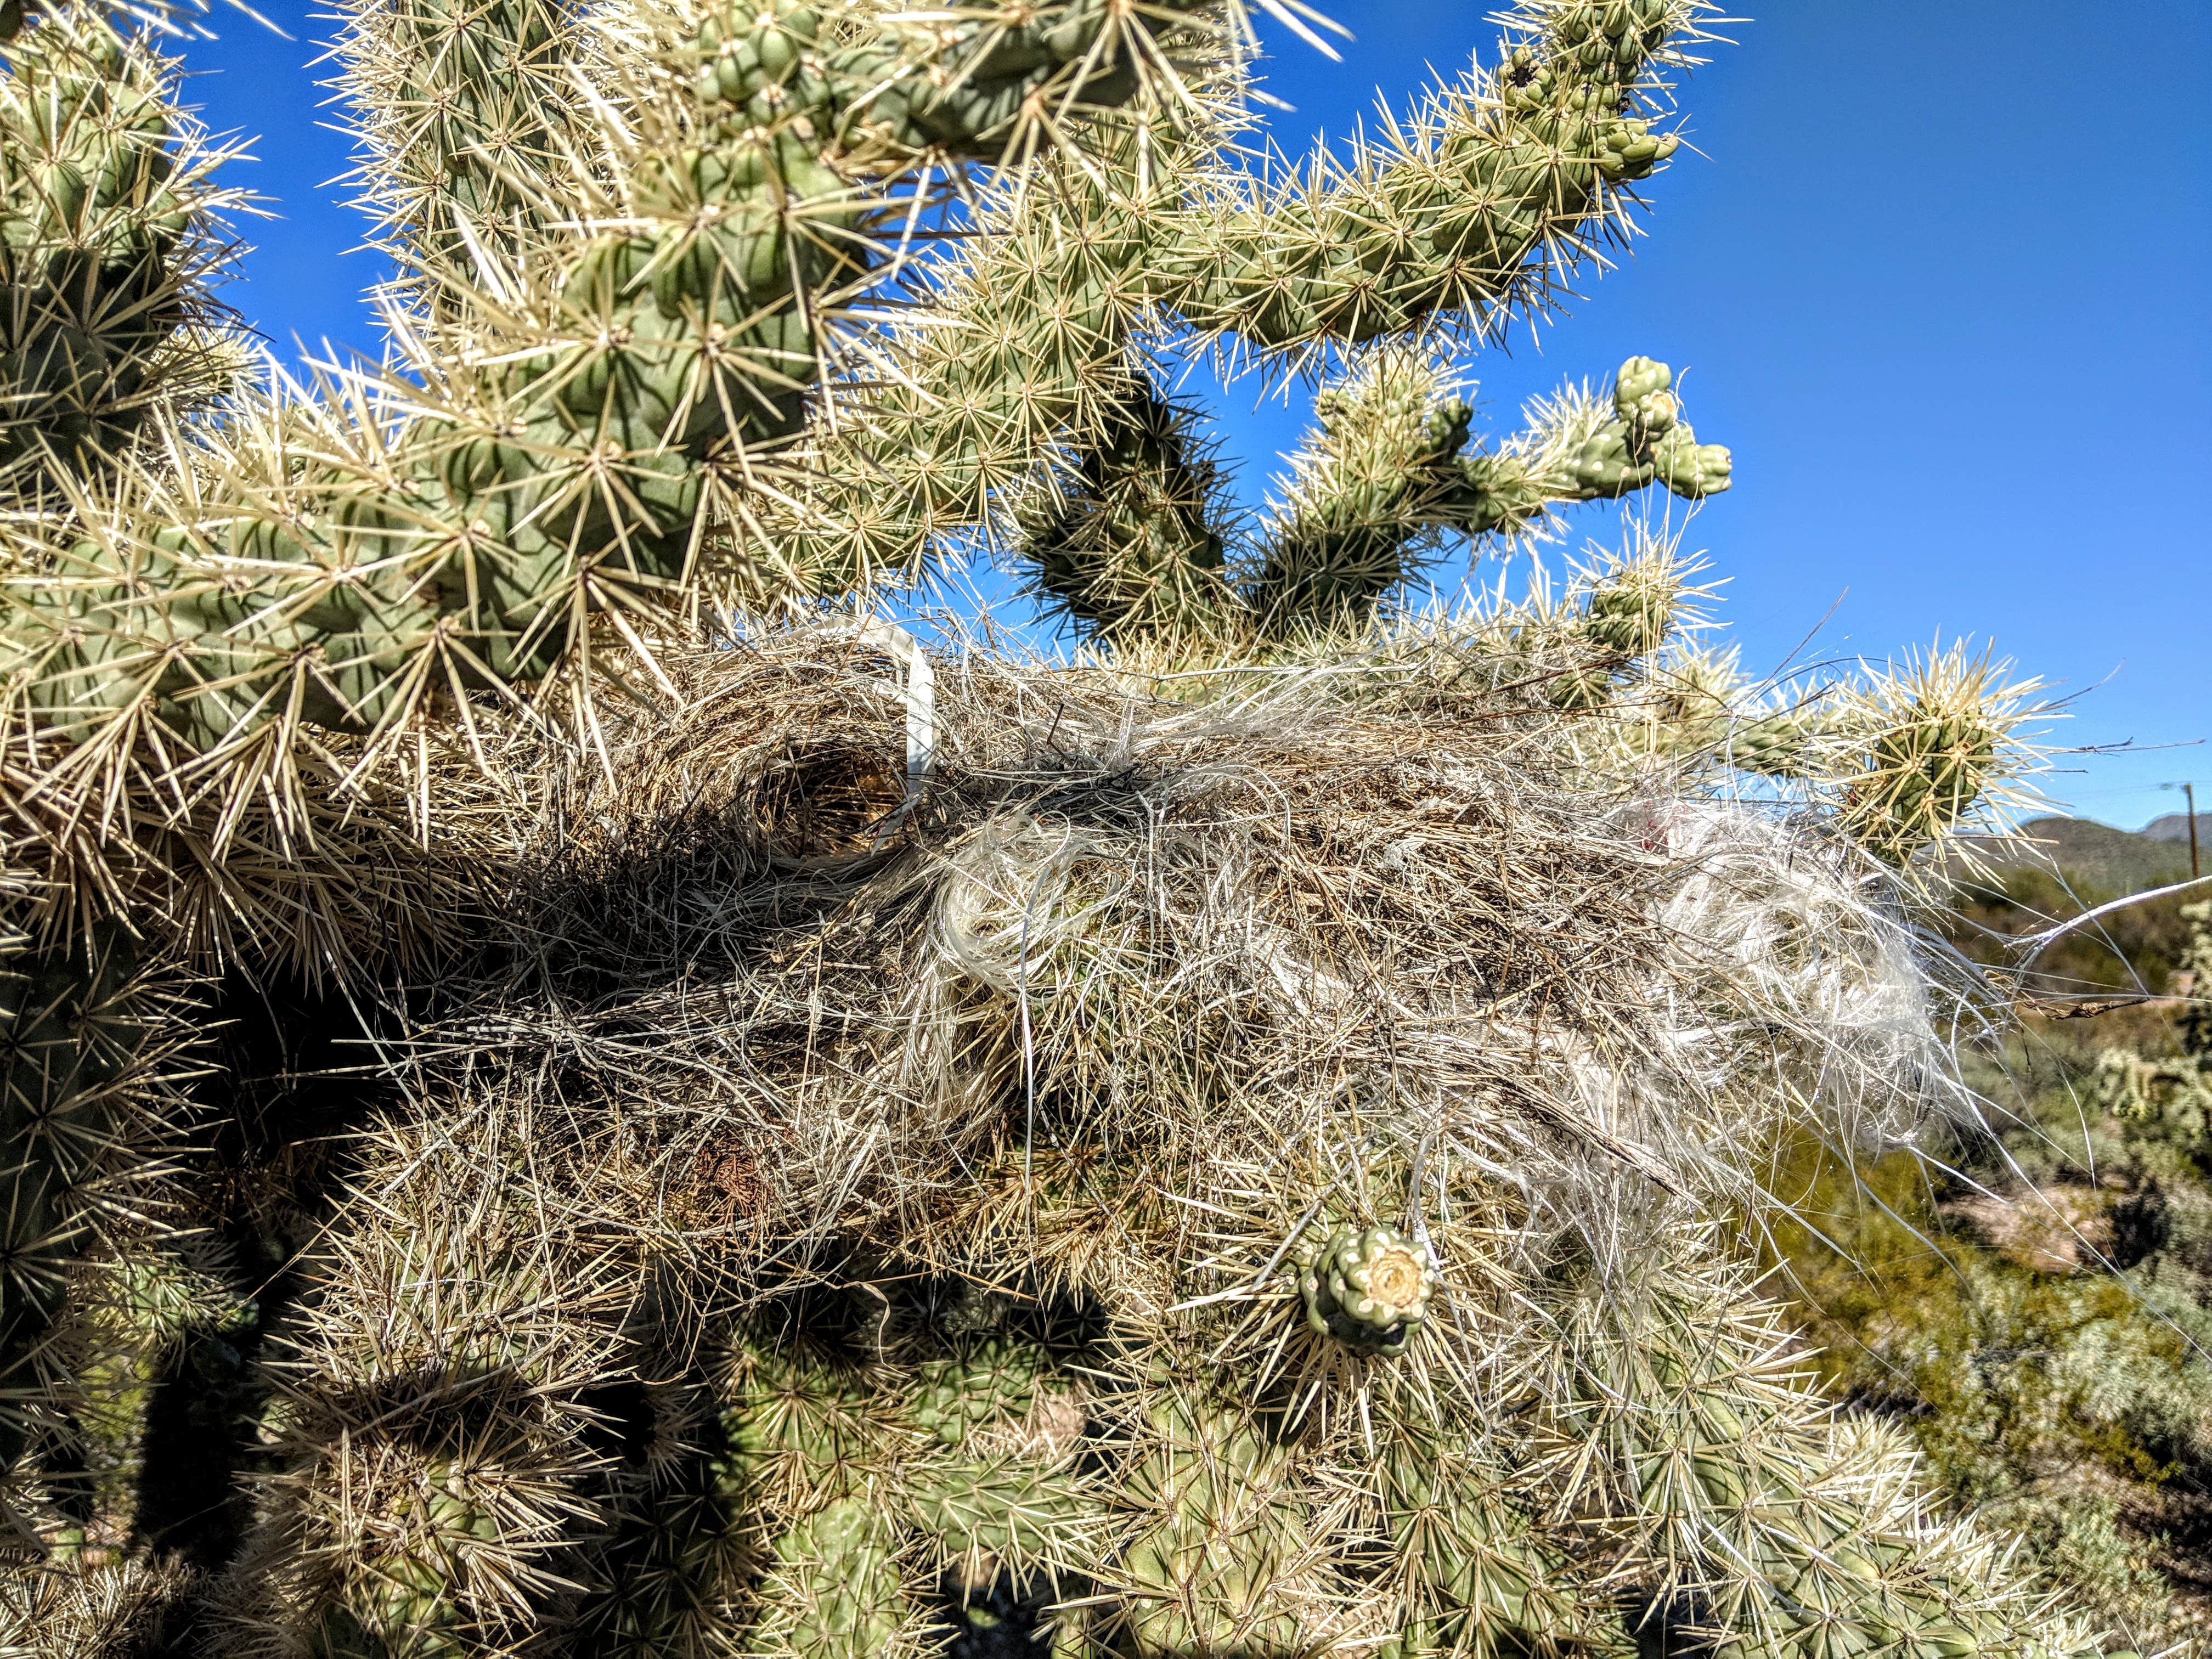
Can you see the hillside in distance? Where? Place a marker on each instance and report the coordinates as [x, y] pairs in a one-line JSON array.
[[2174, 826], [2032, 1303], [2097, 858], [2057, 868]]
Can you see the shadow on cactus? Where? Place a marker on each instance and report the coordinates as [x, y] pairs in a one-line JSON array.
[[727, 1133]]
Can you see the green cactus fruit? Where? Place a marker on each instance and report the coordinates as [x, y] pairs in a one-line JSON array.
[[1605, 465], [1631, 151], [1368, 1289], [1640, 388], [1690, 469]]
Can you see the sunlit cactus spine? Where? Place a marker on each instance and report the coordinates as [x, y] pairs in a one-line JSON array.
[[1024, 1183]]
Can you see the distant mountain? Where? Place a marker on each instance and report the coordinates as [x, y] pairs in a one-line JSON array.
[[2055, 868], [2174, 826], [2097, 857]]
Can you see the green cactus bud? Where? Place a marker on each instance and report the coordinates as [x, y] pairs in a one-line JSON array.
[[1637, 382], [1690, 469], [1368, 1289], [1603, 467]]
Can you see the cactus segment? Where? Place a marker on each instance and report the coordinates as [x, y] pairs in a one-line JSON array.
[[1773, 743], [759, 69], [995, 1518], [468, 131], [835, 1592], [1444, 217], [2195, 1023], [1641, 602], [103, 188], [1368, 1288], [1125, 544], [997, 1384], [401, 1607], [2172, 1093], [1387, 472], [1384, 466], [1206, 1571], [85, 1106], [1925, 772], [1480, 1578], [1923, 745]]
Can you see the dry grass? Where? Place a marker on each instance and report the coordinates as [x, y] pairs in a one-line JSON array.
[[1263, 946]]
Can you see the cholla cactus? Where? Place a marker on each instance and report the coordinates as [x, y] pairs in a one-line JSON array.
[[2196, 965], [2175, 1090], [1909, 755], [846, 1169]]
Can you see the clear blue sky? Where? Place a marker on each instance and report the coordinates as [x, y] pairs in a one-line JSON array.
[[1939, 276]]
